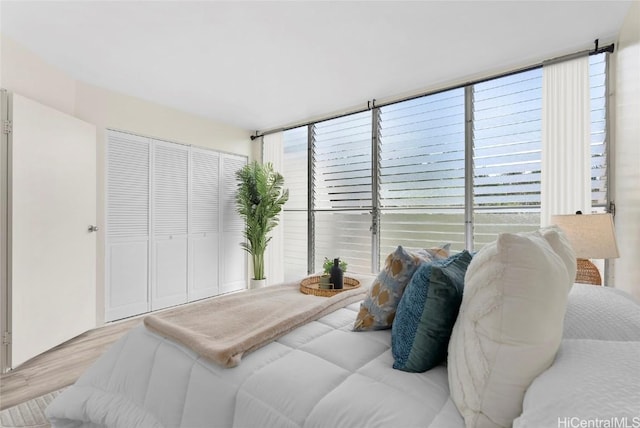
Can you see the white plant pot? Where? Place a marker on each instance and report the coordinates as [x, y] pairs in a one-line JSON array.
[[257, 283]]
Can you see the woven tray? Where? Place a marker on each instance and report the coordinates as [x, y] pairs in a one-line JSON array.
[[311, 285]]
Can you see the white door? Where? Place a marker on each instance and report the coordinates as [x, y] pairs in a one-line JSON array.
[[52, 203], [204, 233], [169, 214], [127, 228]]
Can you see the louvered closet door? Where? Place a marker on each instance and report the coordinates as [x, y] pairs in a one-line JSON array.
[[127, 231], [170, 204], [234, 266], [205, 224]]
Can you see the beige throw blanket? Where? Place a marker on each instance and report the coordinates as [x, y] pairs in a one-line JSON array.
[[224, 328]]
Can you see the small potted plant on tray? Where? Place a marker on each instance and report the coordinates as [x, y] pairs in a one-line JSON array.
[[328, 264], [326, 277]]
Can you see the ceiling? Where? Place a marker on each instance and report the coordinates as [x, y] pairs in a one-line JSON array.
[[262, 65]]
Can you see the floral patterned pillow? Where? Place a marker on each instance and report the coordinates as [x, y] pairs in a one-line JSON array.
[[378, 308]]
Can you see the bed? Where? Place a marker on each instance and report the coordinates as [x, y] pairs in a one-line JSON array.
[[323, 374]]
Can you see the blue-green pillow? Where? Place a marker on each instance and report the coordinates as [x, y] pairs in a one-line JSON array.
[[427, 312]]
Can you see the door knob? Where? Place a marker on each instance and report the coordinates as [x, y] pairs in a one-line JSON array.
[[93, 228]]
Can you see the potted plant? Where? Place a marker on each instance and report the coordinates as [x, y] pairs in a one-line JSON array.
[[328, 264], [259, 200]]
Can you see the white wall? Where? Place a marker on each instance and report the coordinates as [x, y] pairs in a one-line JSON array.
[[626, 192], [23, 72]]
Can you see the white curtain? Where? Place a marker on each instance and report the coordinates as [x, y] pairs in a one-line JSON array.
[[272, 151], [566, 151]]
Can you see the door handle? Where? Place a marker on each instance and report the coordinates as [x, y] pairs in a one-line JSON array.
[[93, 228]]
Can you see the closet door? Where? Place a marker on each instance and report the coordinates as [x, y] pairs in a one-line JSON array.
[[169, 219], [127, 230], [173, 234], [205, 224], [234, 258]]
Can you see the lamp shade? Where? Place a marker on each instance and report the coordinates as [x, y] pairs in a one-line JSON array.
[[591, 235]]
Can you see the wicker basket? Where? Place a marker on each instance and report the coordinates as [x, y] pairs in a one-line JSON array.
[[311, 285]]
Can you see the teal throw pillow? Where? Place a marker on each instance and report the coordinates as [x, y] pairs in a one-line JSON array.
[[427, 312]]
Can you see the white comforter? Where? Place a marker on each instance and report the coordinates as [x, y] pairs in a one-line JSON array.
[[324, 375], [320, 375]]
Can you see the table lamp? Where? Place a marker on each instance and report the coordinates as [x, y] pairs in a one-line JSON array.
[[592, 236]]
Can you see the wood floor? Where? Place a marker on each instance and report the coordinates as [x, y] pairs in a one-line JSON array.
[[60, 366]]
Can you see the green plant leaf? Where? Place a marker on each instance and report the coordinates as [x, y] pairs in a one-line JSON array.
[[327, 264], [259, 200]]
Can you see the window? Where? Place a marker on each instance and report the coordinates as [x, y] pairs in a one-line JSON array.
[[342, 190], [422, 145], [507, 123], [598, 86], [397, 174], [294, 216]]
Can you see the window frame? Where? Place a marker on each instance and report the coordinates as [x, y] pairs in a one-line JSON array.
[[470, 209]]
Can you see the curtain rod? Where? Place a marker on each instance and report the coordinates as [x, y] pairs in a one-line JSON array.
[[372, 104]]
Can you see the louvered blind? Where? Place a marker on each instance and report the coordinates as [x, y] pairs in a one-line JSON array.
[[422, 152], [344, 234], [232, 222], [170, 189], [205, 193], [342, 169], [294, 170], [422, 172], [127, 185], [507, 140], [420, 228], [342, 187], [295, 216], [421, 166], [507, 121], [597, 80]]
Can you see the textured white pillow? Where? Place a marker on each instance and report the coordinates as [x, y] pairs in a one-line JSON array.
[[509, 326]]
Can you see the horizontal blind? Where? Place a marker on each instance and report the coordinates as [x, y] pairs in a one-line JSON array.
[[342, 169], [295, 217], [507, 143], [205, 191], [598, 88], [127, 185], [421, 148], [422, 152], [345, 235], [487, 224], [294, 171], [342, 187], [507, 121], [421, 165], [423, 228], [170, 189]]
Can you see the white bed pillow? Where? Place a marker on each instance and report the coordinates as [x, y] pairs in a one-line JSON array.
[[509, 326], [589, 380], [602, 313]]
